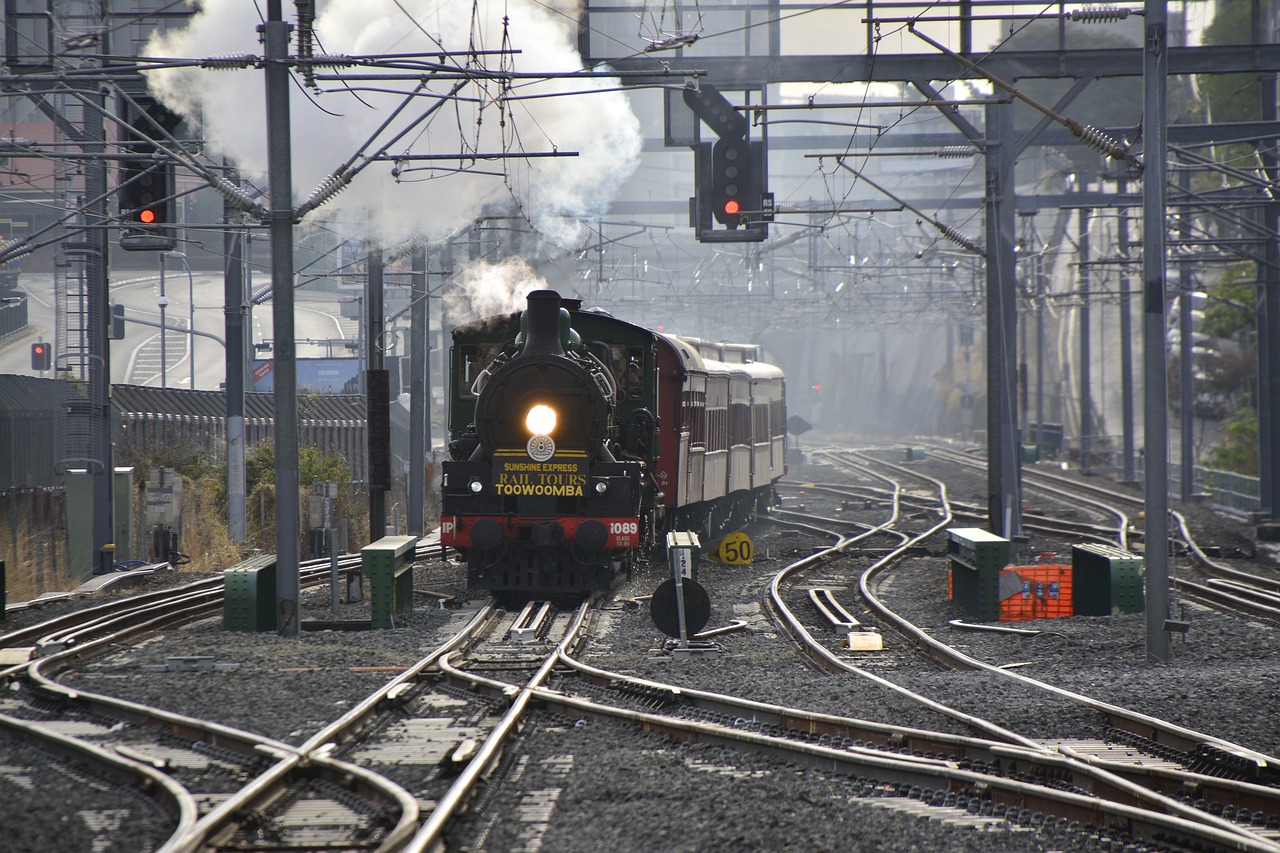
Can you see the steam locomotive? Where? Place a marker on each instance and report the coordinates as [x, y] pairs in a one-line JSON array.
[[578, 439]]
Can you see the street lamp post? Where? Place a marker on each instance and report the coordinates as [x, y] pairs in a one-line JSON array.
[[360, 354], [163, 301], [191, 308]]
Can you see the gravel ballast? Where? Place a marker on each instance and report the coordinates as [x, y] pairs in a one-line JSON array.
[[627, 791]]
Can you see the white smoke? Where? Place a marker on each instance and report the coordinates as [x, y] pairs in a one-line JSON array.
[[328, 128], [486, 290]]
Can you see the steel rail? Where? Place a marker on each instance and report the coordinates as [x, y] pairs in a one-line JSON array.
[[1150, 823], [84, 633], [1216, 570], [1151, 728], [487, 756], [1061, 488], [833, 663], [269, 785], [1085, 772], [150, 782]]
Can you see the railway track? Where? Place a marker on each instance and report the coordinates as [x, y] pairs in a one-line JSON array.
[[379, 775], [1201, 757], [194, 769], [1223, 584]]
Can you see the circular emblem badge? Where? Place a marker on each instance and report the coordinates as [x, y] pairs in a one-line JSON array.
[[541, 448]]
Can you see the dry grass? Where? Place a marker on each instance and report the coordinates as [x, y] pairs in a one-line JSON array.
[[35, 559], [205, 538]]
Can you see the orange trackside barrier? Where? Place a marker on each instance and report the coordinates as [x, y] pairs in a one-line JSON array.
[[1045, 592]]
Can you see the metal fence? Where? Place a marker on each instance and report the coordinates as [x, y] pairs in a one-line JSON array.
[[1231, 493], [13, 316], [148, 432], [150, 419], [33, 418]]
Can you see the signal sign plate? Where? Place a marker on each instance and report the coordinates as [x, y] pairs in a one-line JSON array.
[[735, 550], [665, 610]]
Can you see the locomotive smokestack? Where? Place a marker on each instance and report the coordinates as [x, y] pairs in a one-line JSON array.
[[542, 324]]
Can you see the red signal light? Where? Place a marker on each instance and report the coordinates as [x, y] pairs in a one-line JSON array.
[[731, 207], [818, 386], [147, 216]]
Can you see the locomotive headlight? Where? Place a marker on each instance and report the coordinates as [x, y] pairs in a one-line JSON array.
[[602, 486], [475, 486], [541, 420]]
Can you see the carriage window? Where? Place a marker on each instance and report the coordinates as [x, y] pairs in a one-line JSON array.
[[693, 417]]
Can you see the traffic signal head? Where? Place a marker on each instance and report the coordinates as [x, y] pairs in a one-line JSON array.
[[737, 182], [146, 189], [146, 193], [730, 177], [41, 356]]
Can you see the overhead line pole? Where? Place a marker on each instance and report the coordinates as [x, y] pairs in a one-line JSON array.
[[1155, 392], [280, 165], [234, 316], [419, 402], [98, 368]]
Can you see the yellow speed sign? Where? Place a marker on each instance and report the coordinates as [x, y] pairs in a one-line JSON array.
[[735, 549]]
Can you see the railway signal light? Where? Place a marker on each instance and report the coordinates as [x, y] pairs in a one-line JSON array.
[[41, 356], [712, 107], [147, 204], [730, 177], [146, 192]]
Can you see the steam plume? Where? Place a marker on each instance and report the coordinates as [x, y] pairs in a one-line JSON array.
[[327, 128]]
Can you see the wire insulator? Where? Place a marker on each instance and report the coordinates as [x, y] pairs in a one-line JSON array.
[[1099, 14], [950, 152], [229, 61], [1099, 141], [328, 188], [959, 239], [331, 60], [405, 248], [235, 195]]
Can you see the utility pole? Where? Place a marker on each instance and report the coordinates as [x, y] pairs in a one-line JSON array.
[[1268, 313], [1086, 349], [98, 369], [1004, 504], [377, 397], [1155, 392], [1126, 337], [419, 401], [234, 299], [275, 34]]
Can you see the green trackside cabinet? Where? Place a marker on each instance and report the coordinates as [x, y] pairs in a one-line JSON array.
[[249, 595], [388, 564], [1106, 580], [977, 556]]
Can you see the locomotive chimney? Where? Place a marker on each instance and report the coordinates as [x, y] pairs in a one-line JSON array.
[[542, 324]]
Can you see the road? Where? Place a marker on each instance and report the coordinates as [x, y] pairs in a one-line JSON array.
[[138, 359]]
